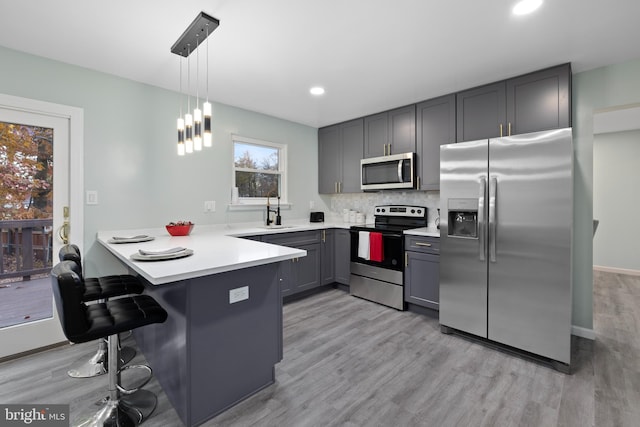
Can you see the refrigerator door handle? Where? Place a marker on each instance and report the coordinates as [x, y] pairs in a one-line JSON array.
[[493, 188], [482, 247]]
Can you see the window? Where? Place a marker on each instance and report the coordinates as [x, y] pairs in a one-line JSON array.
[[259, 170]]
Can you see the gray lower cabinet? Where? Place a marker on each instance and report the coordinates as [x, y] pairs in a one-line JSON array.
[[342, 255], [339, 154], [436, 126], [422, 271], [529, 103], [327, 259], [391, 132], [299, 274]]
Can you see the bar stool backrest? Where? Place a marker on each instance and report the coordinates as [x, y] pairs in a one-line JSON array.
[[71, 252], [68, 289]]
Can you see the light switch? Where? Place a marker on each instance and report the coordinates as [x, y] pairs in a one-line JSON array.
[[210, 206], [238, 294], [92, 197]]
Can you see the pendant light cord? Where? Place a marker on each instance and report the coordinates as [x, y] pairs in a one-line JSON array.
[[207, 62], [197, 72], [188, 79]]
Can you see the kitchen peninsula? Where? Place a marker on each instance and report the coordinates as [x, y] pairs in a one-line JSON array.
[[223, 335]]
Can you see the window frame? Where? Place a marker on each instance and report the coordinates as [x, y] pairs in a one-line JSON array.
[[282, 170]]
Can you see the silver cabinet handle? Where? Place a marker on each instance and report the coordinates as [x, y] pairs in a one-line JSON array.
[[482, 249], [493, 189], [428, 245]]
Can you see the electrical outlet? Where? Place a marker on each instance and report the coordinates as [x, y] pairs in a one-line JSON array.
[[210, 206], [238, 294], [312, 204]]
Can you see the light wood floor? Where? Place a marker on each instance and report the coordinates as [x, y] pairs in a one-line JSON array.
[[349, 362]]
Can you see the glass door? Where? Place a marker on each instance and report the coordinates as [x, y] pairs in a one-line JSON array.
[[35, 175]]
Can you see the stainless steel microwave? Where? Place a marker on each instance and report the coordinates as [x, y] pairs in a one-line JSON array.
[[388, 172]]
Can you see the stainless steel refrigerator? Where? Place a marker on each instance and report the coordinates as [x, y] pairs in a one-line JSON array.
[[506, 237]]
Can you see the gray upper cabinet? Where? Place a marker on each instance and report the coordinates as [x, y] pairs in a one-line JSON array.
[[481, 112], [436, 126], [339, 154], [391, 132], [539, 101], [533, 102]]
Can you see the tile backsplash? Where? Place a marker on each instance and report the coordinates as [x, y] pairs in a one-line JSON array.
[[366, 202]]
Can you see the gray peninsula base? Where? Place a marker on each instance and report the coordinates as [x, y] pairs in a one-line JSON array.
[[212, 353]]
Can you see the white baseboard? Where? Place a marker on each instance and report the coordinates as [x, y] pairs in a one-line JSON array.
[[583, 332], [617, 270]]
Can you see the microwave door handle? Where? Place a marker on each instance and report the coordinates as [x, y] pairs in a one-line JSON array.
[[482, 247], [400, 171], [493, 188]]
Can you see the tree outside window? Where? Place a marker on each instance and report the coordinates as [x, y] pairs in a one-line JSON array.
[[258, 169]]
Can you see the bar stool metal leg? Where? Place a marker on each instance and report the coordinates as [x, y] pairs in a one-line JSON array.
[[117, 411]]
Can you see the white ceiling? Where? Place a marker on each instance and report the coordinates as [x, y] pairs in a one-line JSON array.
[[370, 55]]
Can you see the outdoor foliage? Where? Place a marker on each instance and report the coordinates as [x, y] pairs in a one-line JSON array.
[[255, 180], [26, 172]]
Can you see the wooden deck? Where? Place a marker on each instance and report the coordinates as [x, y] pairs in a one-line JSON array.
[[25, 301]]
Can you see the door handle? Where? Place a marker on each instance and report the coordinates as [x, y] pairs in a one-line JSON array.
[[500, 130], [63, 231], [482, 249], [428, 245], [324, 236], [493, 189], [509, 129], [406, 259], [399, 170]]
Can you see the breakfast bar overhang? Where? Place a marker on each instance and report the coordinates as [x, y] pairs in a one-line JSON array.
[[223, 335]]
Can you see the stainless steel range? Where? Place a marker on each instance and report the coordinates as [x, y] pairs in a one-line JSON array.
[[377, 254]]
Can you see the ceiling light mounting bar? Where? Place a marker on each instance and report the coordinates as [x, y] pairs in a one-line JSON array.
[[195, 34]]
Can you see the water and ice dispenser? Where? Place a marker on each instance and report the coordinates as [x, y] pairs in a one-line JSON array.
[[463, 218]]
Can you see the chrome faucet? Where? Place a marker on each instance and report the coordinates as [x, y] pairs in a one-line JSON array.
[[276, 211]]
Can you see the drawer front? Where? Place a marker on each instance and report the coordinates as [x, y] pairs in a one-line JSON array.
[[429, 245], [294, 239]]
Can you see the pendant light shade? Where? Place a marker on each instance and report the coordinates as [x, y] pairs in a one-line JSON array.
[[188, 127], [194, 130], [206, 107], [180, 126]]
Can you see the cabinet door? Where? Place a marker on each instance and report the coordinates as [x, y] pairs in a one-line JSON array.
[[307, 269], [329, 159], [422, 279], [342, 254], [402, 130], [391, 132], [286, 277], [481, 112], [352, 136], [376, 135], [539, 101], [436, 126], [327, 258]]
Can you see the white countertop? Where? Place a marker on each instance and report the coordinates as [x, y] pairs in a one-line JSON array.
[[424, 231], [217, 249]]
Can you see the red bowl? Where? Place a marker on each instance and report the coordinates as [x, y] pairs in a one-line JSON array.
[[179, 230]]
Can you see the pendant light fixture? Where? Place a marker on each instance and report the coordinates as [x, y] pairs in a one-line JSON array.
[[180, 125], [206, 107], [190, 129]]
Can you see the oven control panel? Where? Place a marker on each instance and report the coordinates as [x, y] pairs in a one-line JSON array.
[[401, 210]]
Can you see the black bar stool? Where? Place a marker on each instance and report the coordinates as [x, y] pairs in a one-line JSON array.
[[100, 289], [83, 323]]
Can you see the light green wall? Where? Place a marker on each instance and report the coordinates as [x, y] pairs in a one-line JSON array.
[[615, 199], [603, 87], [130, 154]]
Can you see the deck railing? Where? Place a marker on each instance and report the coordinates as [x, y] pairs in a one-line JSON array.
[[26, 247]]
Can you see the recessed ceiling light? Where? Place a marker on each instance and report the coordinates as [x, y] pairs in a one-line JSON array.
[[316, 90], [525, 7]]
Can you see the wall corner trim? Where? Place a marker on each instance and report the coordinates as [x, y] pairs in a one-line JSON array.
[[616, 119]]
